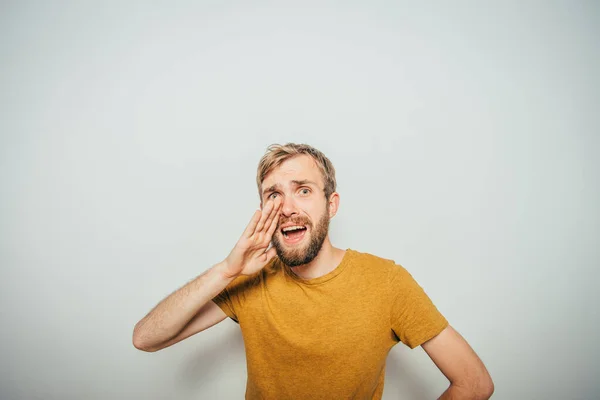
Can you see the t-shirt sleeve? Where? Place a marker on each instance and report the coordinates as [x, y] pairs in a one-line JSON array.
[[231, 299], [414, 317], [223, 300]]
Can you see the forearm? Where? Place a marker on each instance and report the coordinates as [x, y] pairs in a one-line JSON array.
[[174, 312], [455, 392]]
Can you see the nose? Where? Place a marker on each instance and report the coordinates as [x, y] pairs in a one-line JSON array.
[[289, 206]]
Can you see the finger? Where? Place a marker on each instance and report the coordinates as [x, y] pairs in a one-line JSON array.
[[252, 225], [273, 226], [263, 217], [272, 215], [271, 253]]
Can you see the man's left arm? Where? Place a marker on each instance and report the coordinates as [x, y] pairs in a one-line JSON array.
[[469, 379]]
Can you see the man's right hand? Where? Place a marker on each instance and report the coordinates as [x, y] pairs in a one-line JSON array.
[[250, 254], [189, 310]]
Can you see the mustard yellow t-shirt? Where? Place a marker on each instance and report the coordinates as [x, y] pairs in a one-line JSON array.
[[327, 337]]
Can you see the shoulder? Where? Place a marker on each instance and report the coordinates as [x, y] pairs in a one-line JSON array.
[[376, 264]]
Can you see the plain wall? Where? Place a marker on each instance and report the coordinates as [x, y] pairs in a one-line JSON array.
[[465, 137]]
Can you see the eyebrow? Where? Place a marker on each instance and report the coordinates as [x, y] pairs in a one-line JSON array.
[[295, 182]]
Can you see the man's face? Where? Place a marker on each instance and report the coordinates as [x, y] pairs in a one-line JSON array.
[[298, 183]]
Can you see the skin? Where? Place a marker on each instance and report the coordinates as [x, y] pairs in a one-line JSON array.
[[469, 379], [189, 310], [303, 204]]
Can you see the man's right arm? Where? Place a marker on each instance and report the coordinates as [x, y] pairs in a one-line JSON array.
[[185, 312], [189, 310]]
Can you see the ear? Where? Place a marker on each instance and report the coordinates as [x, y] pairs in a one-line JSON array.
[[334, 204]]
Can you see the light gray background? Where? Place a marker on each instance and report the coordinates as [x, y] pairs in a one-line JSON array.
[[465, 137]]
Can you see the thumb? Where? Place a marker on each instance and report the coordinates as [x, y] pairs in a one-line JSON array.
[[271, 253]]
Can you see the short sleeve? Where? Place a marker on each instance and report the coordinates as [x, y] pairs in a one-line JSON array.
[[414, 317], [231, 299], [223, 300]]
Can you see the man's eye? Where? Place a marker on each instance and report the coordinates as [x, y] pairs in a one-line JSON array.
[[305, 191], [272, 194]]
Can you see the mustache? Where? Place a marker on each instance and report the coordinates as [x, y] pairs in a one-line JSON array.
[[295, 222]]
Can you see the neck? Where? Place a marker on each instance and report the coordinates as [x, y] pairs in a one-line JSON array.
[[327, 260]]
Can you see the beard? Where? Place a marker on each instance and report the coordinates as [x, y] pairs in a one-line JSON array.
[[299, 256]]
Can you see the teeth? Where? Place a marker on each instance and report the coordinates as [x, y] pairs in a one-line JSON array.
[[292, 228]]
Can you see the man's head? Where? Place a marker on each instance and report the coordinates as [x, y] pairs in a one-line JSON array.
[[304, 180]]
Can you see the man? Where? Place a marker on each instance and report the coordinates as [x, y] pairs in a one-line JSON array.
[[317, 321]]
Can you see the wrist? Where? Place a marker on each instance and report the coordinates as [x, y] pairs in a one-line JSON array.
[[224, 269]]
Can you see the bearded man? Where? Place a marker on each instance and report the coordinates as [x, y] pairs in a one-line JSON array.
[[317, 321]]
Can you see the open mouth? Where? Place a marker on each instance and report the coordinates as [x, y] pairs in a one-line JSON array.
[[293, 234]]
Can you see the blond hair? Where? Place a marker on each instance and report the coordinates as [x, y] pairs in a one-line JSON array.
[[276, 154]]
